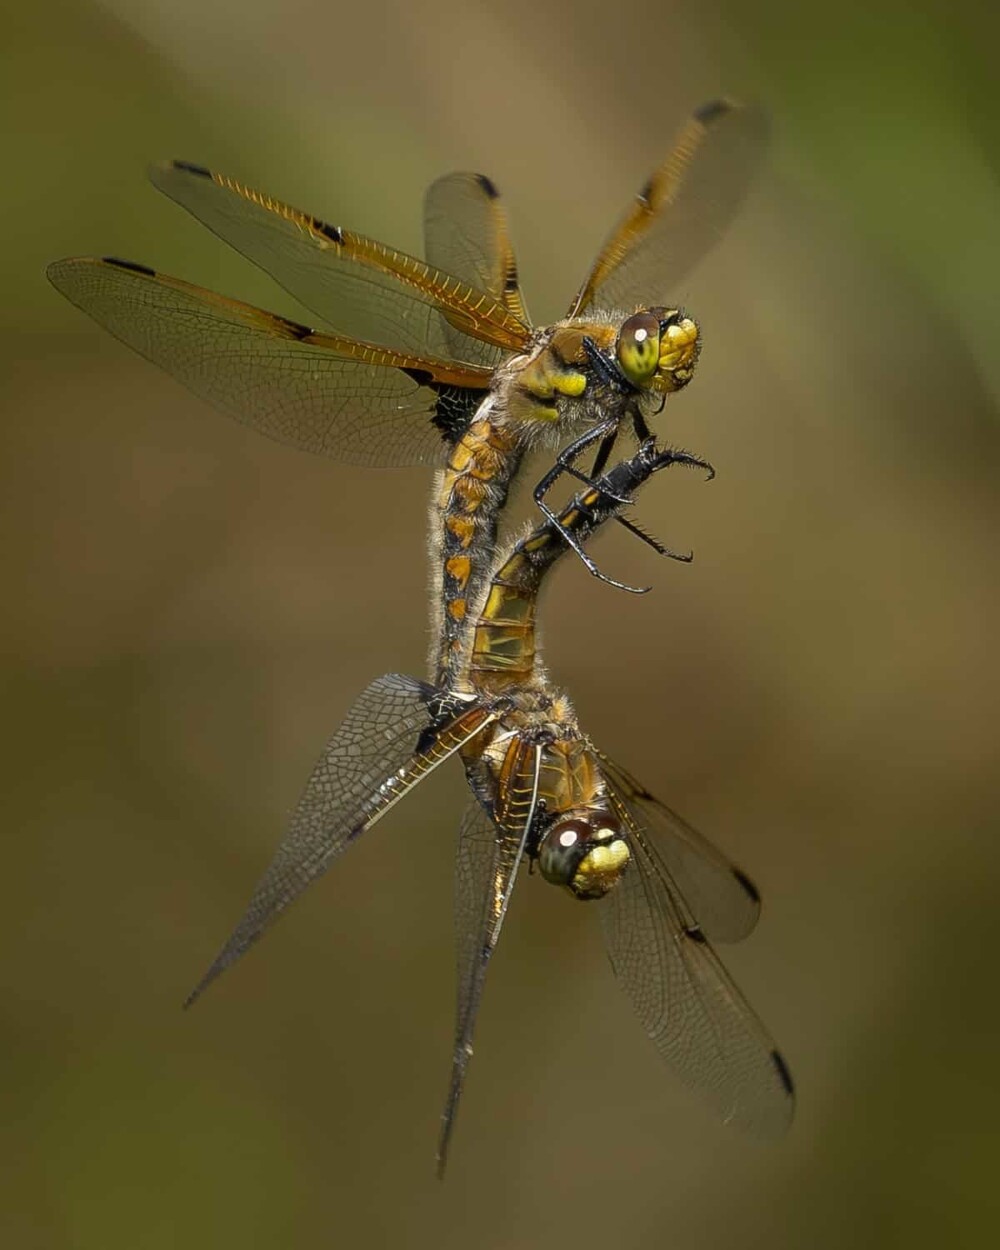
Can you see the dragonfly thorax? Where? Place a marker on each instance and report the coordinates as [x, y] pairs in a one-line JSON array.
[[585, 851], [584, 371]]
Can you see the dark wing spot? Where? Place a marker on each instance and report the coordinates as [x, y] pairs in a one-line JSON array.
[[130, 264], [695, 934], [712, 111], [646, 192], [782, 1069], [190, 168], [488, 186], [421, 376], [748, 886], [510, 280], [333, 233], [295, 328]]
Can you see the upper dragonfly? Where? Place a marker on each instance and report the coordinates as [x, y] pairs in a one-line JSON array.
[[435, 361]]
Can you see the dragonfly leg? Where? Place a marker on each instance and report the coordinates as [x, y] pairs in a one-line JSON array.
[[605, 432], [564, 465], [603, 453], [660, 548], [685, 458], [605, 368], [642, 431]]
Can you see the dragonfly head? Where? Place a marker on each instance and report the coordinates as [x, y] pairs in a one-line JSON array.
[[584, 851], [657, 349]]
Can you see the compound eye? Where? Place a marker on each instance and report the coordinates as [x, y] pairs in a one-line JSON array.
[[561, 850], [586, 853], [638, 347]]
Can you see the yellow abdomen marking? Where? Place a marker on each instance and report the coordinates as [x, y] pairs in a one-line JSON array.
[[463, 527], [469, 492], [459, 568]]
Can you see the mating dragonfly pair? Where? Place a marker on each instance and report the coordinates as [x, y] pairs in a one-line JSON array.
[[435, 361]]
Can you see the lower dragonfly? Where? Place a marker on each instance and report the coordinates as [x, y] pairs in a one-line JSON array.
[[542, 792]]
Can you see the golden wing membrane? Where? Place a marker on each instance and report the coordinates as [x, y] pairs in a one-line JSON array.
[[354, 284], [320, 392], [681, 212], [466, 234]]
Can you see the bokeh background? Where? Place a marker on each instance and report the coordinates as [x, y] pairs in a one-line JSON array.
[[190, 611]]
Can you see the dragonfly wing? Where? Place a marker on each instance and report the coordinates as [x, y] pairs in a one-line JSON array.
[[319, 392], [721, 898], [386, 745], [356, 285], [490, 849], [688, 1004], [465, 233], [681, 212]]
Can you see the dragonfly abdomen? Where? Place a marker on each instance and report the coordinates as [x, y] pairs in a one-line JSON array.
[[504, 642], [469, 494]]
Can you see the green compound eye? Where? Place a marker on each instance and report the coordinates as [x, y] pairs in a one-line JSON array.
[[638, 347]]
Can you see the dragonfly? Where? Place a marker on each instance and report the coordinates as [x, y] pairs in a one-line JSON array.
[[541, 793], [435, 361]]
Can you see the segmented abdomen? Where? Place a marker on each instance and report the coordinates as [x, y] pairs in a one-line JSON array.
[[471, 491]]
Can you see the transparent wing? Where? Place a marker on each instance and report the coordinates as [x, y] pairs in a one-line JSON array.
[[681, 212], [490, 849], [385, 746], [688, 1004], [721, 898], [356, 285], [465, 234], [320, 392]]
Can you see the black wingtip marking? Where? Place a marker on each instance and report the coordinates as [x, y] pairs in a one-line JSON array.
[[782, 1070], [489, 186], [189, 167], [712, 111], [129, 264], [748, 886], [333, 233]]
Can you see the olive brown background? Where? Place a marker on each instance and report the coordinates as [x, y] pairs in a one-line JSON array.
[[190, 610]]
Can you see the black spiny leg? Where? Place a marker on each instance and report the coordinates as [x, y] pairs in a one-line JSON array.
[[604, 452], [676, 457], [642, 434], [660, 548], [641, 429], [564, 464], [607, 431]]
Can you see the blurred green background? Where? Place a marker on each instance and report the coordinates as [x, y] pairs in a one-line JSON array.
[[190, 611]]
